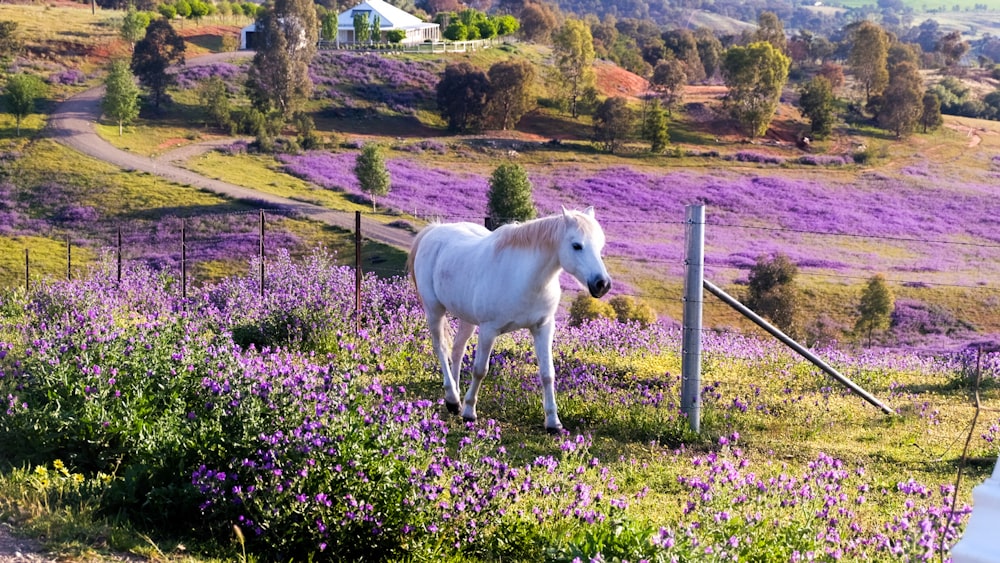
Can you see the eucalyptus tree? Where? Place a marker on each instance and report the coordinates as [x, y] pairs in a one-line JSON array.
[[755, 75], [153, 55], [868, 58], [574, 54], [278, 79]]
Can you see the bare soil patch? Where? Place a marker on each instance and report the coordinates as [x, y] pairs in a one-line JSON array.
[[612, 80]]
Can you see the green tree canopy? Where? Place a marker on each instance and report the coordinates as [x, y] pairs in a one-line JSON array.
[[771, 30], [20, 95], [574, 53], [121, 94], [509, 198], [510, 92], [669, 77], [371, 172], [654, 127], [902, 100], [613, 123], [755, 75], [816, 100], [278, 78], [869, 58], [134, 25], [875, 308], [771, 291], [461, 96], [930, 116], [153, 54]]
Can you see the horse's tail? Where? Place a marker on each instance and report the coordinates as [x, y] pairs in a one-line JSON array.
[[411, 258]]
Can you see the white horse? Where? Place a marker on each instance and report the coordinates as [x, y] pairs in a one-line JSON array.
[[503, 281]]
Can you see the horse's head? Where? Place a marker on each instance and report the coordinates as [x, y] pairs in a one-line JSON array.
[[580, 251]]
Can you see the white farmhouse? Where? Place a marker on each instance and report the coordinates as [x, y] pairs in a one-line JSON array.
[[389, 17]]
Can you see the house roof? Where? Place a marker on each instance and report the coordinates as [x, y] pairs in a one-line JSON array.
[[389, 15]]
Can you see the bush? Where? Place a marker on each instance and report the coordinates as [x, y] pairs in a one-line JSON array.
[[585, 309], [627, 309]]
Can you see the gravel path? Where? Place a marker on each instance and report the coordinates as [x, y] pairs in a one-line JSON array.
[[72, 124], [19, 550]]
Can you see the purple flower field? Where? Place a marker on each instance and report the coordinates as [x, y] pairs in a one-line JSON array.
[[322, 438], [877, 224]]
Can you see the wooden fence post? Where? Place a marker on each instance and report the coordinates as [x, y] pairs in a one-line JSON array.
[[357, 270], [261, 252]]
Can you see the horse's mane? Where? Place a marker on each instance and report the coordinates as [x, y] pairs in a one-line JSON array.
[[545, 232]]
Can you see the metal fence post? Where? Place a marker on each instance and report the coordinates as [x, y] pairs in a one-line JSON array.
[[694, 274], [27, 271], [69, 259]]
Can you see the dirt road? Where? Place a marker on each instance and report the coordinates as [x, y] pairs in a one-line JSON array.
[[72, 124]]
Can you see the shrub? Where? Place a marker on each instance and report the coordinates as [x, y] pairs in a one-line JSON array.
[[585, 309], [628, 309]]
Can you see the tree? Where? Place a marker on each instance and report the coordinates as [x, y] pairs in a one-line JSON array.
[[771, 291], [153, 54], [613, 122], [372, 174], [868, 58], [214, 94], [538, 21], [875, 308], [755, 75], [461, 96], [684, 46], [771, 30], [509, 198], [10, 43], [361, 27], [121, 94], [930, 116], [134, 25], [509, 96], [507, 25], [328, 26], [574, 52], [395, 36], [668, 80], [278, 78], [709, 50], [952, 47], [654, 127], [902, 100], [816, 100], [20, 94]]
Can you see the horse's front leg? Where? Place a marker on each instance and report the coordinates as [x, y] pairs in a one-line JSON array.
[[546, 373], [480, 365]]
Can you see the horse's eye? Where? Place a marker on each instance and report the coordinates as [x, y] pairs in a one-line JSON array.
[[577, 246]]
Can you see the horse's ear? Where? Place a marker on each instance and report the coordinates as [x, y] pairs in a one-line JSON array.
[[589, 211], [565, 211]]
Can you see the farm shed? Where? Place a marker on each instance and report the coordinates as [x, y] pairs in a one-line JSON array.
[[248, 37], [389, 17]]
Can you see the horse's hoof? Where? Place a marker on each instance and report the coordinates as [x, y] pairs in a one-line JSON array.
[[554, 430], [452, 407], [469, 418]]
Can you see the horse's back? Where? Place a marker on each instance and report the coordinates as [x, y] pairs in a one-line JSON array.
[[442, 247]]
